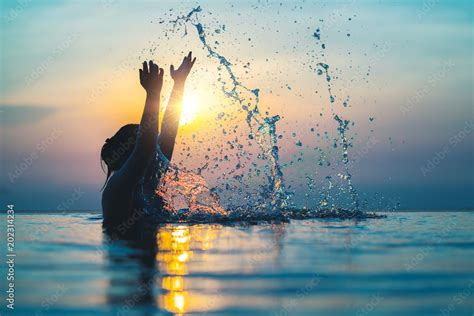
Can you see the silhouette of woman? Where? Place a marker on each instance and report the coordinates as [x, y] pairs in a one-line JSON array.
[[134, 163]]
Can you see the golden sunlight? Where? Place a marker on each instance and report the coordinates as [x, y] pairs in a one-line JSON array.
[[189, 110], [175, 244]]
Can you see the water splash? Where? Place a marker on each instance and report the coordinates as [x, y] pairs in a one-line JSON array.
[[345, 144], [342, 128], [186, 194], [262, 128], [323, 68]]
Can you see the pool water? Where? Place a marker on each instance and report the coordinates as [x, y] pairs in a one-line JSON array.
[[416, 263]]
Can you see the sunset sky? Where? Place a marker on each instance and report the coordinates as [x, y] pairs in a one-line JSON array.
[[69, 80]]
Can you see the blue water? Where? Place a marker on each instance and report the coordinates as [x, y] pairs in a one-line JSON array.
[[415, 263]]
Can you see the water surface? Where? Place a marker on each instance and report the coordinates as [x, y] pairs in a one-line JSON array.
[[406, 264]]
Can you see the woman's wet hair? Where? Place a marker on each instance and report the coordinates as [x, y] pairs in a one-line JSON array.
[[118, 148]]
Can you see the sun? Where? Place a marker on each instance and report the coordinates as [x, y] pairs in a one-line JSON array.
[[189, 109]]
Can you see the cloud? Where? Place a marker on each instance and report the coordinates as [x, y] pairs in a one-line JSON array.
[[16, 115]]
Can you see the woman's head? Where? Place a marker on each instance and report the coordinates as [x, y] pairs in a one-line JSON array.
[[118, 148]]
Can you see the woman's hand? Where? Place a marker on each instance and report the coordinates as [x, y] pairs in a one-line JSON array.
[[179, 75], [151, 78]]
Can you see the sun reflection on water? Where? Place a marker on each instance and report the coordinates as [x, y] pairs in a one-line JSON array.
[[175, 249]]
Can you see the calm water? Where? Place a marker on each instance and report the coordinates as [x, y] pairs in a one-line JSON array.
[[407, 264]]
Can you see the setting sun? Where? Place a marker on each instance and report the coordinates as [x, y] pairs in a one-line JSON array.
[[189, 110]]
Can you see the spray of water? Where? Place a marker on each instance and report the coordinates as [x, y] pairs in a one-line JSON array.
[[342, 128], [263, 129], [187, 194]]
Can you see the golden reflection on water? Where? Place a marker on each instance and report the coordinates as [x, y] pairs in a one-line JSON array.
[[175, 249]]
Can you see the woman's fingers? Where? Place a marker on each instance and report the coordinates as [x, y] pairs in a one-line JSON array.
[[150, 66]]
